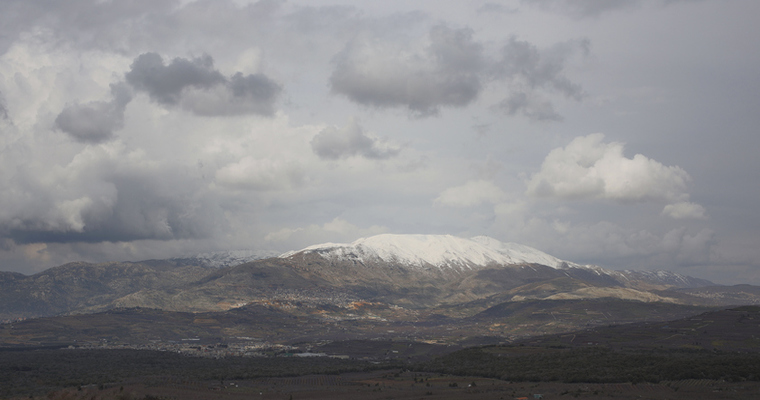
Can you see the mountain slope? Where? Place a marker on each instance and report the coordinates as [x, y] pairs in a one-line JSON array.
[[448, 253], [85, 287], [417, 272]]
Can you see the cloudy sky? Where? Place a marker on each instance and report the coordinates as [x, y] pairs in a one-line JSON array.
[[623, 134]]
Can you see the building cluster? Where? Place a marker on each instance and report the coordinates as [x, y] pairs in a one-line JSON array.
[[243, 347]]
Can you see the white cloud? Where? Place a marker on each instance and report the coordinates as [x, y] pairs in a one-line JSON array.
[[685, 210], [589, 168], [470, 194]]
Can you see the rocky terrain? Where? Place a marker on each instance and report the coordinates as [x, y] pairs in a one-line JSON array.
[[444, 274]]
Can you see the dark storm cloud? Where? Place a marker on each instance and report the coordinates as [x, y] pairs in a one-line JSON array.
[[333, 143], [117, 203], [383, 75], [95, 121], [195, 85]]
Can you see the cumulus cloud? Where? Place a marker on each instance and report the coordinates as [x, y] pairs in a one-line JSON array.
[[106, 194], [192, 84], [333, 143], [165, 83], [470, 194], [451, 69], [442, 72], [685, 210], [95, 121], [590, 168], [196, 86]]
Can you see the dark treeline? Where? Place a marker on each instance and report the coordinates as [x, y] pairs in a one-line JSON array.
[[597, 365], [38, 371]]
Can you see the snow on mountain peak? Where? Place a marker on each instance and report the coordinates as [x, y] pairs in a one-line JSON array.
[[437, 250]]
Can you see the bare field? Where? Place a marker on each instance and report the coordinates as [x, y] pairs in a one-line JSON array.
[[408, 385]]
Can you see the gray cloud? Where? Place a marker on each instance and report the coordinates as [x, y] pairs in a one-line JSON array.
[[383, 74], [165, 83], [523, 61], [110, 201], [90, 23], [95, 121], [527, 104], [450, 71], [581, 8], [195, 85], [527, 70], [593, 8], [333, 143], [3, 109], [495, 8]]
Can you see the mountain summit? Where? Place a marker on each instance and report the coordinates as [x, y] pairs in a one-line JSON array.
[[446, 254], [426, 251], [416, 272]]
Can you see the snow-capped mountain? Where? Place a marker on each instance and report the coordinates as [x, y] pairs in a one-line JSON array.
[[447, 253], [442, 251], [412, 271]]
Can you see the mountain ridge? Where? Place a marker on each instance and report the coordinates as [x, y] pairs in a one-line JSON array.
[[451, 252], [414, 272]]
